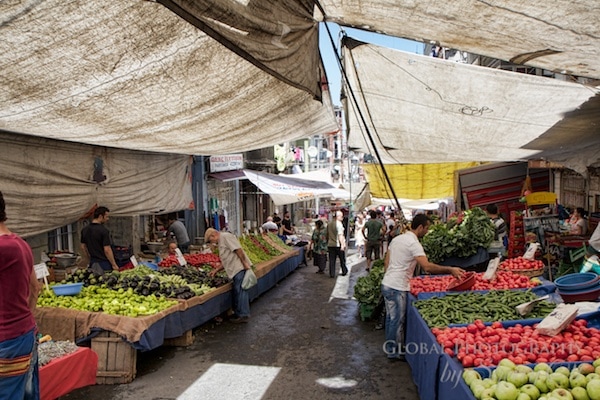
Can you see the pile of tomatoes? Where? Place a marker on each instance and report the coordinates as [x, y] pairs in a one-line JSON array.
[[195, 260], [477, 344], [503, 280], [520, 263]]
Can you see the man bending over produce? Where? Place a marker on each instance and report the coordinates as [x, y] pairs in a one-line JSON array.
[[403, 254], [235, 262]]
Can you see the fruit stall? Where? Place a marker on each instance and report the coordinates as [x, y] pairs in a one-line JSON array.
[[140, 309]]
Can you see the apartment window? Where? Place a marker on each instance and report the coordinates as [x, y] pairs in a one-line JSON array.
[[61, 239]]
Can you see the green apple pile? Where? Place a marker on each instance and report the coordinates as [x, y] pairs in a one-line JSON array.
[[521, 382]]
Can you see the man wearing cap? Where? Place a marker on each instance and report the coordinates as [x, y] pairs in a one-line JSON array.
[[235, 262]]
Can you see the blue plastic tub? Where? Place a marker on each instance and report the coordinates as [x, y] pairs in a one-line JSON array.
[[577, 281], [69, 289]]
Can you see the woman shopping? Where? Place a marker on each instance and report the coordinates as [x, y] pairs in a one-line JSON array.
[[318, 246]]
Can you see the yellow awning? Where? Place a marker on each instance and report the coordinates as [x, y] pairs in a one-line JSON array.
[[415, 181]]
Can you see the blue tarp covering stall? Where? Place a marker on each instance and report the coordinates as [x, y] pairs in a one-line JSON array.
[[147, 333]]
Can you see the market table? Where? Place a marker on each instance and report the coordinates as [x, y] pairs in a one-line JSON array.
[[116, 338], [65, 374]]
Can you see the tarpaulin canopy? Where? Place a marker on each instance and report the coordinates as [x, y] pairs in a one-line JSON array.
[[415, 181], [286, 190], [420, 108], [48, 183], [561, 36], [132, 74]]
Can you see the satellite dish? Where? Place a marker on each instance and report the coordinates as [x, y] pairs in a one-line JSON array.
[[312, 151]]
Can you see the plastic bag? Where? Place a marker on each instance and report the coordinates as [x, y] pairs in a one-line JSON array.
[[591, 264], [249, 279]]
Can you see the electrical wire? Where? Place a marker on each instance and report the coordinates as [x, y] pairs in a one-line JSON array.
[[362, 118]]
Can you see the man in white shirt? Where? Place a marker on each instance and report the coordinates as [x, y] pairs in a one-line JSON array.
[[270, 226], [404, 253], [336, 244]]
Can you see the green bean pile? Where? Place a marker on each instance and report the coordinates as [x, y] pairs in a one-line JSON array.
[[466, 307]]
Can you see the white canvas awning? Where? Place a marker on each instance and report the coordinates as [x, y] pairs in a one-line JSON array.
[[561, 36], [286, 190], [48, 184], [423, 109], [132, 74]]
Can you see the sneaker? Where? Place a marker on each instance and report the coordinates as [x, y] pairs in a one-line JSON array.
[[239, 320]]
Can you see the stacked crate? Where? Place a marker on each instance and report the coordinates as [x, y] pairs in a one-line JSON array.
[[516, 235]]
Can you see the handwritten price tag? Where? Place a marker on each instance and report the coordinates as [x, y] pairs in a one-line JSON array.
[[41, 270]]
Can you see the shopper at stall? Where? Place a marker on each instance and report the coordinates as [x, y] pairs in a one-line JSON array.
[[177, 229], [336, 244], [235, 262], [404, 253], [359, 236], [318, 246], [270, 225], [373, 232], [18, 295], [578, 222], [95, 242]]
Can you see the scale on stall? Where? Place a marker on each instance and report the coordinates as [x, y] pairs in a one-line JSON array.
[[155, 248]]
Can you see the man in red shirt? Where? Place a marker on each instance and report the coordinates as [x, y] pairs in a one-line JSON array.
[[19, 289]]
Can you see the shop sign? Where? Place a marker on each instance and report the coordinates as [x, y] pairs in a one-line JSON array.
[[226, 162]]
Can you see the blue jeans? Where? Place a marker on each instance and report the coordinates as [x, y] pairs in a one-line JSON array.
[[395, 320], [241, 300]]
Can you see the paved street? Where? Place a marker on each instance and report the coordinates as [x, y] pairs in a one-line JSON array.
[[304, 341]]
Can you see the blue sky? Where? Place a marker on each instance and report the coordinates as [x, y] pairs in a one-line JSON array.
[[331, 65]]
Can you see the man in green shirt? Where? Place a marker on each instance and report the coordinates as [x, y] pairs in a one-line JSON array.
[[373, 232]]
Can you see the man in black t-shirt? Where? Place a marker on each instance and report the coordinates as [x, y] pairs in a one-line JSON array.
[[95, 242]]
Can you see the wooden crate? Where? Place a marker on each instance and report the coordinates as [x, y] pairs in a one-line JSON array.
[[116, 359], [184, 340]]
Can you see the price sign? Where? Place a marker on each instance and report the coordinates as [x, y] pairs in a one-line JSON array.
[[180, 258], [490, 272], [41, 270]]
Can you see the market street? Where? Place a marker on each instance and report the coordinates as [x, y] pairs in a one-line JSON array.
[[304, 341]]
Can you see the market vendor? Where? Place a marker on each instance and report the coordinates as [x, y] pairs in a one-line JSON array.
[[594, 243], [235, 262], [171, 248], [177, 229], [577, 222], [404, 253], [287, 229], [95, 242]]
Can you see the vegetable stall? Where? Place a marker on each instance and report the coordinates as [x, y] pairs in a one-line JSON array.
[[475, 343], [140, 309]]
